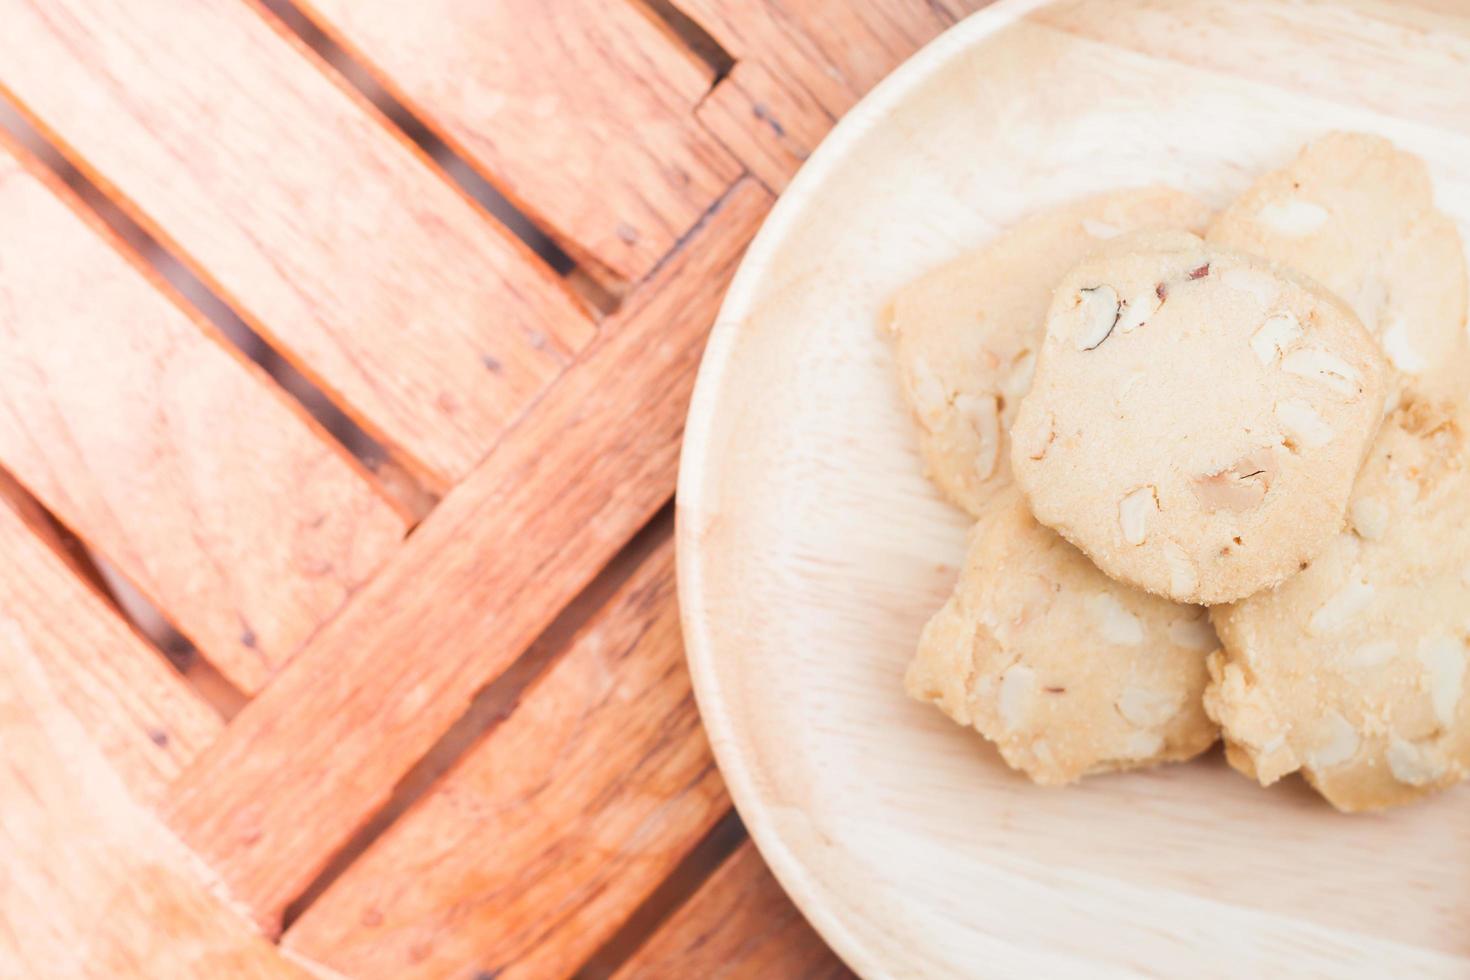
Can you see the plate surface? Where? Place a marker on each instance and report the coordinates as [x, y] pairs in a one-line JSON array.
[[812, 550]]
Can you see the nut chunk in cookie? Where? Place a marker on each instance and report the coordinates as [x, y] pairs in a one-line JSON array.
[[1357, 214], [965, 335], [1197, 418], [1066, 671], [1355, 671]]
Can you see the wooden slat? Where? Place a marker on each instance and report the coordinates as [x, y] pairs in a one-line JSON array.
[[579, 110], [93, 884], [138, 713], [285, 191], [162, 447], [308, 761], [739, 924], [537, 845], [801, 66], [770, 127], [832, 50]]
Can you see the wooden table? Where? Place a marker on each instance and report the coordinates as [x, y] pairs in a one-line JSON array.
[[344, 354]]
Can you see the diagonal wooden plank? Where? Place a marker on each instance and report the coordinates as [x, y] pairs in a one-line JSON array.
[[143, 717], [738, 924], [832, 50], [162, 447], [802, 65], [94, 885], [770, 127], [579, 110], [309, 760], [285, 191], [532, 851]]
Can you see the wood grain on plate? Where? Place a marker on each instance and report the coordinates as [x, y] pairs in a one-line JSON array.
[[812, 550], [282, 789], [585, 118], [283, 189], [577, 805], [164, 448]]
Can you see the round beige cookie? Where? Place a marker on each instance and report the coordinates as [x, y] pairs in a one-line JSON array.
[[1065, 670], [1197, 417], [965, 334], [1357, 214], [1354, 671]]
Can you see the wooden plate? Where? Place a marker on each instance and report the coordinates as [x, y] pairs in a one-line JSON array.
[[812, 550]]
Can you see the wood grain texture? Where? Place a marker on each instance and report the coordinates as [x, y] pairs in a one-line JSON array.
[[102, 889], [581, 111], [158, 443], [801, 66], [1361, 41], [812, 549], [770, 127], [306, 762], [534, 848], [738, 925], [284, 191], [830, 52], [138, 713]]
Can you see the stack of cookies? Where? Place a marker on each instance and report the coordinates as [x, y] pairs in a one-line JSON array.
[[1220, 472]]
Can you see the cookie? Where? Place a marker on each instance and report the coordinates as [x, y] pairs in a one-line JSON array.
[[965, 335], [1354, 672], [1357, 215], [1065, 670], [1197, 418]]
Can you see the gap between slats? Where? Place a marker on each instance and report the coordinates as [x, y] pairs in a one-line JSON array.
[[703, 860], [694, 37], [452, 165], [493, 704], [145, 619], [392, 480], [598, 286]]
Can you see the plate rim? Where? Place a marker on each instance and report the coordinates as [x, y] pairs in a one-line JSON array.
[[694, 464]]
